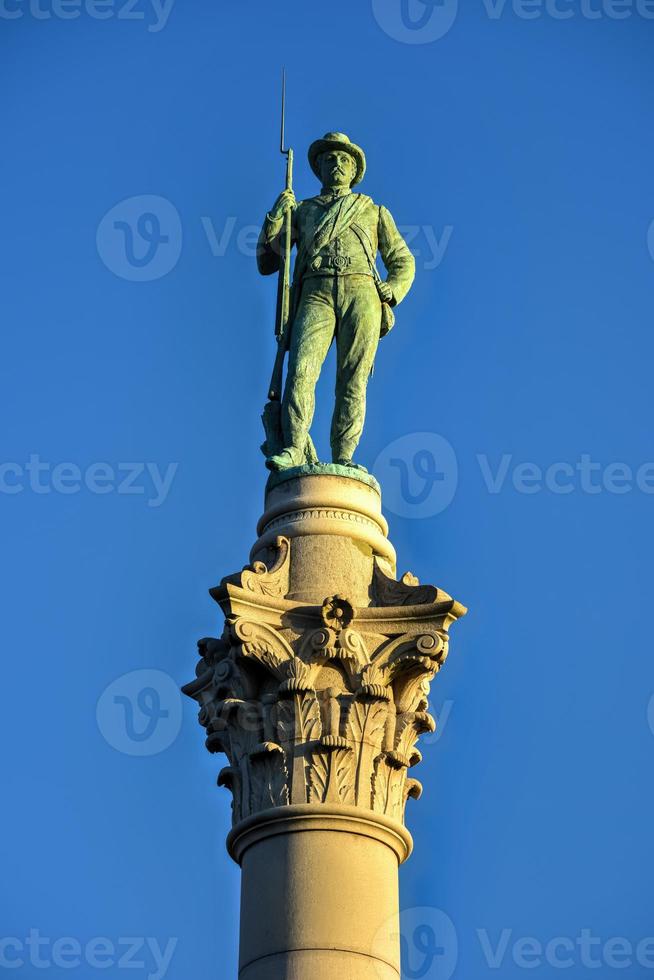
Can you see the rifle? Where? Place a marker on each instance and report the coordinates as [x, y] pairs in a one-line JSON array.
[[272, 412], [284, 282]]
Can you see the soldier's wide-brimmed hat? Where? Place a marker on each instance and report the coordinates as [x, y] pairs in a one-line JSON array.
[[338, 141]]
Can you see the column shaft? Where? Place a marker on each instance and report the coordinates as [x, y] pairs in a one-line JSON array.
[[319, 904]]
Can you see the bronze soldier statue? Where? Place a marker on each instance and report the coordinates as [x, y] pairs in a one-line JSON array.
[[336, 293]]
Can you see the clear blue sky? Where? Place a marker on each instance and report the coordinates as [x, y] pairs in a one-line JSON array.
[[521, 143]]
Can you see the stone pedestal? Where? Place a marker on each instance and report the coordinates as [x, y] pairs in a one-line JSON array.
[[317, 694]]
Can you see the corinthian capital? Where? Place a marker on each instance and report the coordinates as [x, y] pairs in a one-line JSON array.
[[320, 703]]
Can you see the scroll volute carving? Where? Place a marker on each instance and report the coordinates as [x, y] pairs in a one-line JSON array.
[[259, 578]]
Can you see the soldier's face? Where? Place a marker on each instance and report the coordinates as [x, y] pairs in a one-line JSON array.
[[336, 167]]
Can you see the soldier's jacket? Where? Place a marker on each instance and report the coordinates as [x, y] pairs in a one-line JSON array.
[[340, 236]]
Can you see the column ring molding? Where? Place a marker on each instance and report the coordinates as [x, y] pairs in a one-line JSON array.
[[301, 817]]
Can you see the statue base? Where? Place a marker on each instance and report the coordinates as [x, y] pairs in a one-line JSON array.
[[323, 469], [336, 529]]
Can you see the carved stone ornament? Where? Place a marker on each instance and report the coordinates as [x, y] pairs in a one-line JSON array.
[[320, 703]]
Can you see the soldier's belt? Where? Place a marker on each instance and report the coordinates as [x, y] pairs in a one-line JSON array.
[[339, 262], [338, 274]]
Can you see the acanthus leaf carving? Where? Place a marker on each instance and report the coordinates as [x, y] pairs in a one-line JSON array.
[[387, 788], [344, 776], [374, 683], [298, 725], [299, 678], [409, 663], [230, 778], [211, 650], [409, 727], [413, 789], [428, 649], [298, 719], [269, 778], [330, 776], [366, 726], [243, 720]]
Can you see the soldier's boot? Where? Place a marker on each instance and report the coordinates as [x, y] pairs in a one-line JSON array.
[[291, 456]]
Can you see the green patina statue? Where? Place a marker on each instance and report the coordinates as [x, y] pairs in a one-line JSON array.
[[336, 293]]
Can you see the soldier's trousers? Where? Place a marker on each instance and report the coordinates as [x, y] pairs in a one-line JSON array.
[[347, 308]]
